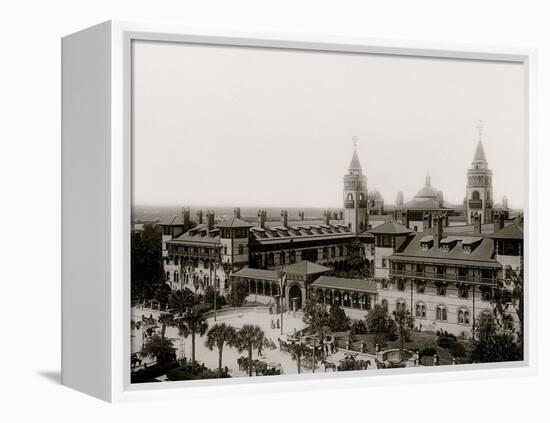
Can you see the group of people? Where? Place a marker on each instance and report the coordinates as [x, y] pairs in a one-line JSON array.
[[275, 324]]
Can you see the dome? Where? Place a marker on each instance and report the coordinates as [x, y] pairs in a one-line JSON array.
[[427, 192]]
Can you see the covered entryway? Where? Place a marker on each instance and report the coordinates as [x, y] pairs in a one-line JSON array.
[[295, 297]]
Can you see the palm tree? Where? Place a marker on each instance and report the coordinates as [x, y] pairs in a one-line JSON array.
[[298, 350], [162, 349], [180, 300], [192, 323], [405, 322], [219, 335], [165, 319], [249, 337]]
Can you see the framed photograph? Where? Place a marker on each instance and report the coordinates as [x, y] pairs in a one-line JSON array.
[[267, 209]]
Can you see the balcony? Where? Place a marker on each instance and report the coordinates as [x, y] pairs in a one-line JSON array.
[[475, 204], [362, 204], [444, 277], [349, 204]]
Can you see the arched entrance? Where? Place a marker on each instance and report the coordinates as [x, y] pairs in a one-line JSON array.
[[295, 295]]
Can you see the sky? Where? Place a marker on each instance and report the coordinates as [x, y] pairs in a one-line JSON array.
[[240, 126]]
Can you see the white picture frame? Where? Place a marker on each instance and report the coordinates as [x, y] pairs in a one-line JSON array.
[[96, 189]]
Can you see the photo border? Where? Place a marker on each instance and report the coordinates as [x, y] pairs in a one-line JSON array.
[[122, 36]]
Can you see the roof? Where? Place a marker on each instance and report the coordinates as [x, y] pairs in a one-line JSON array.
[[481, 254], [355, 164], [480, 153], [199, 235], [302, 231], [171, 220], [392, 227], [234, 222], [247, 272], [422, 202], [362, 285], [513, 231], [305, 268]]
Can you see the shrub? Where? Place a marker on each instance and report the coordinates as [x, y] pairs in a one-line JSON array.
[[148, 374], [428, 351], [446, 340], [358, 327], [457, 350], [190, 372]]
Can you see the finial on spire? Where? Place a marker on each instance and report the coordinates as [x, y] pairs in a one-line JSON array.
[[428, 179], [354, 139], [479, 130]]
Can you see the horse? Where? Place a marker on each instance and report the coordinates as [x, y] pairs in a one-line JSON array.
[[329, 365]]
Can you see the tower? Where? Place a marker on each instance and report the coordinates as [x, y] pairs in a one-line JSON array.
[[479, 192], [355, 195]]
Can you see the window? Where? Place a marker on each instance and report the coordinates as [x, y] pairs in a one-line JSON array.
[[282, 257], [421, 310], [241, 249], [441, 313], [384, 303], [508, 322], [420, 287], [401, 305], [463, 317], [340, 250], [225, 249], [475, 195], [386, 284], [333, 251], [401, 284], [463, 291], [361, 197], [176, 276], [350, 197], [167, 276], [384, 264], [441, 289]]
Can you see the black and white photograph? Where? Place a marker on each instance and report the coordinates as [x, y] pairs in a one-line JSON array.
[[300, 211]]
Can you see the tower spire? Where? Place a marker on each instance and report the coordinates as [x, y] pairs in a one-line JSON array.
[[428, 179], [480, 152], [355, 165]]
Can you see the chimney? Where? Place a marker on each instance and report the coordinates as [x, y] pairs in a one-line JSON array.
[[498, 220], [210, 220], [301, 215], [505, 202], [185, 217], [399, 199], [438, 230], [476, 220], [405, 218], [261, 218], [427, 221], [199, 215], [326, 217], [237, 212], [284, 218]]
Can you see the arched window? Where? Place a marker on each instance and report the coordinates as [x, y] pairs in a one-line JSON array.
[[441, 313], [241, 249], [176, 276], [225, 250], [167, 275], [508, 322], [282, 257], [475, 195], [384, 303], [463, 317], [421, 310], [350, 197], [361, 197], [271, 259], [400, 305]]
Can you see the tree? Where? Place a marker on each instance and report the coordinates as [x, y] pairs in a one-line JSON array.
[[405, 323], [249, 337], [298, 350], [181, 300], [146, 262], [356, 255], [380, 323], [316, 315], [219, 335], [209, 298], [238, 294], [492, 344], [192, 323], [162, 349], [338, 321]]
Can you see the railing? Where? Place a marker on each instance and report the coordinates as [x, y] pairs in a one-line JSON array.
[[475, 204], [349, 204], [444, 277]]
